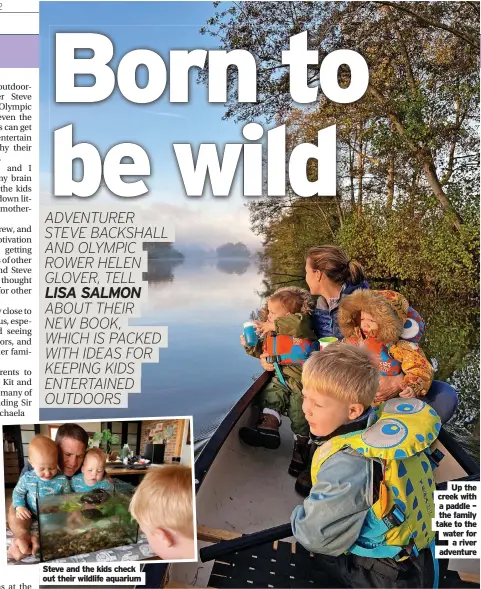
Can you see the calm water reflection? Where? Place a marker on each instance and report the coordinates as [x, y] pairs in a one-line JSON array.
[[204, 370]]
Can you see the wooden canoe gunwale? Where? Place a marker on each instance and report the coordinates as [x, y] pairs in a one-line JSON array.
[[156, 573]]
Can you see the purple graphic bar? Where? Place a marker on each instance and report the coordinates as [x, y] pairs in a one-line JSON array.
[[18, 51]]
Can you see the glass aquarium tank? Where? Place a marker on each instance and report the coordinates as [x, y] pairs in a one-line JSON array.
[[78, 523]]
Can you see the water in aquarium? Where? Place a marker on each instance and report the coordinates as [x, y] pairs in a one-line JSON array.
[[79, 523]]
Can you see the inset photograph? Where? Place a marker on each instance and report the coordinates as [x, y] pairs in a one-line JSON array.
[[99, 491]]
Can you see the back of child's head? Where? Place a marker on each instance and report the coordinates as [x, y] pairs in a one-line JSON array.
[[42, 446], [164, 499], [294, 299], [344, 372]]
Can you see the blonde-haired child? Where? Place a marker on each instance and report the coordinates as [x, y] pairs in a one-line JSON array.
[[43, 480], [371, 502], [163, 507], [288, 336], [93, 473]]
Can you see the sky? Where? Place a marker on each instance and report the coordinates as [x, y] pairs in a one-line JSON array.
[[161, 27]]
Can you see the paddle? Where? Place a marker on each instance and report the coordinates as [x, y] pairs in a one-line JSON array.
[[272, 534], [245, 542]]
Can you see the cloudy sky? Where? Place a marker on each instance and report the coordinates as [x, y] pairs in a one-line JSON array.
[[161, 27]]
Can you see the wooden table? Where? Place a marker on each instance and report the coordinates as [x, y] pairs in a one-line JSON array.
[[126, 474], [125, 471]]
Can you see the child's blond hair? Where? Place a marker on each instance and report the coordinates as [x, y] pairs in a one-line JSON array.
[[97, 452], [292, 298], [164, 499], [41, 445], [344, 372]]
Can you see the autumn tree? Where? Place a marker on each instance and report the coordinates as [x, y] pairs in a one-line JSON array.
[[408, 156], [423, 63]]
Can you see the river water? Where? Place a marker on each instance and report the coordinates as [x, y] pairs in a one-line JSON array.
[[204, 370]]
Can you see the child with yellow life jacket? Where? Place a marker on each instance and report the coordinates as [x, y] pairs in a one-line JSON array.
[[368, 516], [375, 320], [288, 341]]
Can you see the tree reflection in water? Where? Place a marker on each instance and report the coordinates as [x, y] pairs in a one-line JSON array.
[[162, 259], [237, 266]]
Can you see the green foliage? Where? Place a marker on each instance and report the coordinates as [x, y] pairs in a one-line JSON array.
[[412, 243], [70, 505], [408, 246], [233, 250], [106, 439], [115, 507], [407, 201], [162, 251]]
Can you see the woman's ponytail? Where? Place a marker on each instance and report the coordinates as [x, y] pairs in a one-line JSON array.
[[356, 272], [335, 264]]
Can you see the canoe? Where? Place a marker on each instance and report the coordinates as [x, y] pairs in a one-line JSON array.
[[236, 486]]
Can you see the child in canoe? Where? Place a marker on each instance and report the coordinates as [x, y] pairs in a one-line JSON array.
[[287, 342], [368, 516], [374, 320]]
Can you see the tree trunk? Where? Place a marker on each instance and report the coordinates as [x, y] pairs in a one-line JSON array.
[[351, 177], [339, 212], [390, 185], [433, 180], [414, 186], [360, 174]]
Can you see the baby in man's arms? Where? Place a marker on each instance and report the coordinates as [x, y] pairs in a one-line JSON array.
[[43, 480], [93, 473]]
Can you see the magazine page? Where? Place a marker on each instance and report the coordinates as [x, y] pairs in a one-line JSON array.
[[19, 234], [239, 268]]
